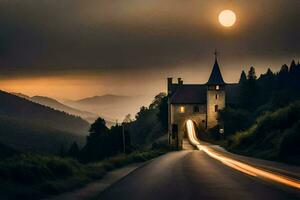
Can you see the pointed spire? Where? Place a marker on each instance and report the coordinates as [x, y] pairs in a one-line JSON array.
[[216, 76]]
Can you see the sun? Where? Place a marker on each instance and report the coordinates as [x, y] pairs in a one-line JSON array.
[[227, 18]]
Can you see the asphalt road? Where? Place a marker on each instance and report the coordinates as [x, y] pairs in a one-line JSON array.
[[192, 174]]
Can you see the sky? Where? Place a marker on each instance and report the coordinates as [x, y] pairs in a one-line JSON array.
[[70, 49]]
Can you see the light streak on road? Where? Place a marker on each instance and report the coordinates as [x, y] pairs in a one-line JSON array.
[[237, 165]]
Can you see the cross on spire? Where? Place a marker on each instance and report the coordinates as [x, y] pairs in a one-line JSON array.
[[216, 54]]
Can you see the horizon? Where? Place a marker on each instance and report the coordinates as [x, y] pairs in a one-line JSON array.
[[27, 86], [100, 47]]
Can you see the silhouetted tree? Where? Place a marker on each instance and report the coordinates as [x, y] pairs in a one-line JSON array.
[[74, 151], [243, 77], [97, 145], [162, 114], [252, 74], [249, 91]]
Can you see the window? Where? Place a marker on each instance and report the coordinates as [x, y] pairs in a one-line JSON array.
[[217, 87], [182, 109], [196, 109], [217, 96], [216, 108]]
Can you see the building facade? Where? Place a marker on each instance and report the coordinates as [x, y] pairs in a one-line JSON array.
[[197, 102]]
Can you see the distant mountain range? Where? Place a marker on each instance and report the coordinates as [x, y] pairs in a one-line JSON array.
[[26, 125], [103, 100], [110, 107], [113, 107], [52, 103]]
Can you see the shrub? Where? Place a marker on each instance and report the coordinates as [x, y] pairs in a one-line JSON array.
[[275, 135]]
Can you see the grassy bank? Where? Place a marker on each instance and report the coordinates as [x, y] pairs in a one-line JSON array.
[[274, 136], [35, 176]]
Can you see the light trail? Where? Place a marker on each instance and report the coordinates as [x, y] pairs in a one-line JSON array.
[[237, 165]]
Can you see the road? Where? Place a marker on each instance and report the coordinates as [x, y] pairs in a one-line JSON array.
[[202, 174], [192, 174]]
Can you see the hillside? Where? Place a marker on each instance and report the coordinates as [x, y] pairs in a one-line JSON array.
[[275, 135], [28, 126], [15, 107], [25, 135], [53, 103], [6, 151]]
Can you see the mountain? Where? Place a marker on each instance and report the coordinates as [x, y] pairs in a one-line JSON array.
[[112, 107], [14, 106], [21, 95], [28, 125], [52, 103], [105, 99], [25, 135]]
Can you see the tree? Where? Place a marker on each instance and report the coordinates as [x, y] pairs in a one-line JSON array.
[[251, 74], [157, 100], [162, 114], [243, 77], [98, 144], [249, 92], [293, 66], [127, 119], [98, 127], [74, 150]]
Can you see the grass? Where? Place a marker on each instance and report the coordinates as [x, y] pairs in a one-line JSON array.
[[274, 136], [39, 176]]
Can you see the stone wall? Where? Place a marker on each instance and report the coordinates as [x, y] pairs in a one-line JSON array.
[[214, 97], [180, 118]]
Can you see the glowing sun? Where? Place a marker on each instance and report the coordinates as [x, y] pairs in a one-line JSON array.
[[227, 18]]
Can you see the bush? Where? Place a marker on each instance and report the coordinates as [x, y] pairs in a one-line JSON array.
[[275, 135], [234, 120], [289, 145], [33, 169]]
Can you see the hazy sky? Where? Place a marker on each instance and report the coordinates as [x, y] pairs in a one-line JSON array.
[[76, 48]]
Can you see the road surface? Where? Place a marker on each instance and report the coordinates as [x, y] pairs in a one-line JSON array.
[[204, 173], [192, 174]]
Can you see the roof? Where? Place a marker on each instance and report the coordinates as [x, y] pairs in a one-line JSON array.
[[196, 94], [189, 94], [216, 76]]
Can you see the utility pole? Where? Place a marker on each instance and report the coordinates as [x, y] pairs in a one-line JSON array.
[[123, 134]]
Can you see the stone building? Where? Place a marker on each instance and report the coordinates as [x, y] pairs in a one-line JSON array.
[[197, 102]]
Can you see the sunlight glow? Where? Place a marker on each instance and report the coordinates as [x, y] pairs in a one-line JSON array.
[[227, 18], [237, 165]]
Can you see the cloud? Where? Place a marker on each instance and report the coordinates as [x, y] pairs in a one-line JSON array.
[[49, 37]]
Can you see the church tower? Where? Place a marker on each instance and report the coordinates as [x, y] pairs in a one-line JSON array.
[[215, 94]]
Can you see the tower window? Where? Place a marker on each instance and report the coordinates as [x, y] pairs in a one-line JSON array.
[[217, 96], [216, 108], [217, 87], [196, 109], [182, 109]]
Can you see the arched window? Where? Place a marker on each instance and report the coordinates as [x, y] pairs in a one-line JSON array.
[[217, 87], [196, 109], [216, 108], [217, 96]]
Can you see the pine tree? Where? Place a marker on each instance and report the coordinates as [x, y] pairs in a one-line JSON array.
[[249, 91], [243, 77], [252, 74], [74, 150]]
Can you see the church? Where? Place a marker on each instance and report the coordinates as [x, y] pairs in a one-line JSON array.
[[197, 102]]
